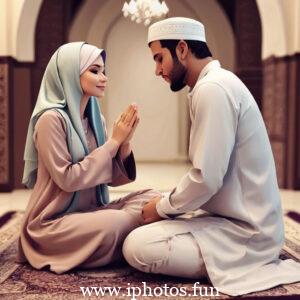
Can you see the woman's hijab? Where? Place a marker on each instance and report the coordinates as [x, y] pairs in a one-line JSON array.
[[60, 89]]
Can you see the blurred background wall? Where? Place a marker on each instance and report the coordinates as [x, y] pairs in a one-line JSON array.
[[258, 40]]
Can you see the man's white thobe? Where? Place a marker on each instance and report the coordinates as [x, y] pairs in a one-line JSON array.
[[233, 178]]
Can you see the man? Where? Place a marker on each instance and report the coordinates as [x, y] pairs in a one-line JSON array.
[[237, 238]]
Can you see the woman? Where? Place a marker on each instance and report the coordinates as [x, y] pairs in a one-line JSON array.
[[69, 221]]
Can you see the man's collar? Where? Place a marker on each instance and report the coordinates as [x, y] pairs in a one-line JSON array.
[[214, 64]]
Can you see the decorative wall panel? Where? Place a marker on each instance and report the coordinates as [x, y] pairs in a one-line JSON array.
[[281, 97], [6, 129]]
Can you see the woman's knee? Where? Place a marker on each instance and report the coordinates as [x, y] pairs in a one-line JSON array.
[[116, 223]]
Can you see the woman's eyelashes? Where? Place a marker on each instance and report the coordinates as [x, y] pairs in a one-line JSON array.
[[97, 71], [94, 71]]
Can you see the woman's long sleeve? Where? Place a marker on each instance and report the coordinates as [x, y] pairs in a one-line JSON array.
[[93, 169]]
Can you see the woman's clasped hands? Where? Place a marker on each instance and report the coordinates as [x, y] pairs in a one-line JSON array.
[[124, 127]]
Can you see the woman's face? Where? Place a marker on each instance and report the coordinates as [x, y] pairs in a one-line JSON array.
[[93, 81]]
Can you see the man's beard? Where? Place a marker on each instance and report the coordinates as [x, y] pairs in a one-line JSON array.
[[177, 76]]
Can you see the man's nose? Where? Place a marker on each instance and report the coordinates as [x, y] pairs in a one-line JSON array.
[[158, 71]]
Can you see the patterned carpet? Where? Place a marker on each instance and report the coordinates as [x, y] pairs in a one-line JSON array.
[[23, 282]]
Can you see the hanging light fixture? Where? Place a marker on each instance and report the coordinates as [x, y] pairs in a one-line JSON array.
[[145, 10]]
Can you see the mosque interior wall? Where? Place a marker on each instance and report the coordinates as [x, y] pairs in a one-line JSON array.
[[268, 64]]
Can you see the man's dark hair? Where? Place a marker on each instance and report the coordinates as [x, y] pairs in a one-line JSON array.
[[198, 48]]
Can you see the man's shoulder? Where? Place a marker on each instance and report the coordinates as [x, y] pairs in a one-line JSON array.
[[213, 89], [219, 79], [218, 76], [209, 85]]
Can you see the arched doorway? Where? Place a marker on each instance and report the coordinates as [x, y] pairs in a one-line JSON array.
[[61, 14], [129, 64]]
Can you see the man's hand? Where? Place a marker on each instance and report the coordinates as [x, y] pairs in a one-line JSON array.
[[149, 212]]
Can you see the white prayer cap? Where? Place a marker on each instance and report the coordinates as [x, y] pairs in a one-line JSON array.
[[177, 28]]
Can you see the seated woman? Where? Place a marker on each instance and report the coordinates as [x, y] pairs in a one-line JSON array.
[[69, 221]]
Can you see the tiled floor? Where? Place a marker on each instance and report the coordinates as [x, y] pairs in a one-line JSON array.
[[160, 176]]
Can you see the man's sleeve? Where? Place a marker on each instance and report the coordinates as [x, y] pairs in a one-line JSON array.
[[212, 140]]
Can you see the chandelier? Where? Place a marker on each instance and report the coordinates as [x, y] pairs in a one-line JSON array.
[[144, 10]]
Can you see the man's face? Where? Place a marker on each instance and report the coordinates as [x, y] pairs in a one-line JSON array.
[[169, 68]]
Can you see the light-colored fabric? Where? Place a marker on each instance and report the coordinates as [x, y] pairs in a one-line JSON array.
[[92, 235], [168, 248], [177, 28], [234, 179], [61, 90], [88, 54]]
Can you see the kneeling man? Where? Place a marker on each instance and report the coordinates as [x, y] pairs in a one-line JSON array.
[[237, 239]]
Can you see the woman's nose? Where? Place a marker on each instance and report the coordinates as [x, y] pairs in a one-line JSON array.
[[103, 77]]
